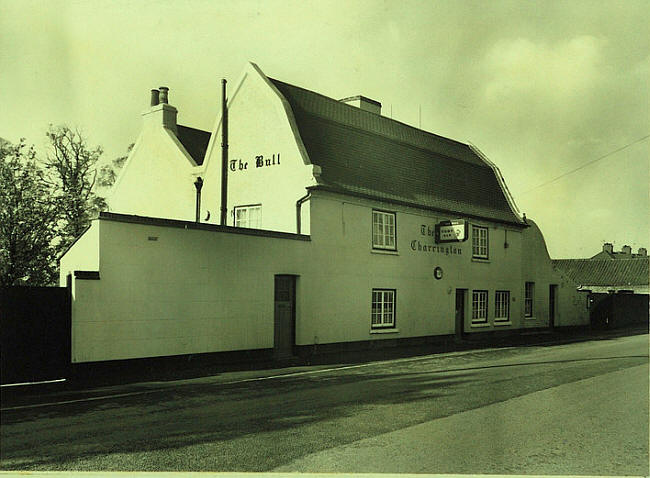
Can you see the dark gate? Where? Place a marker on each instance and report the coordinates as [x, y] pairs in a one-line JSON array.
[[35, 334]]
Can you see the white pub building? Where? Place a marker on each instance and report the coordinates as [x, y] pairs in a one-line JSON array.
[[303, 221]]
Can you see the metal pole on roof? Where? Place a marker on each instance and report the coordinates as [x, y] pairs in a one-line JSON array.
[[224, 155]]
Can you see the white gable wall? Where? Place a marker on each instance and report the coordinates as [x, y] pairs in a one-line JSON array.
[[157, 178], [259, 125]]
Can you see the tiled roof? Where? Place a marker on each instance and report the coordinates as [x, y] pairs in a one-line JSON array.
[[366, 154], [195, 141], [623, 272], [616, 255]]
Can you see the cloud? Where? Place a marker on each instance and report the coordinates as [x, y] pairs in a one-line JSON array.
[[520, 69]]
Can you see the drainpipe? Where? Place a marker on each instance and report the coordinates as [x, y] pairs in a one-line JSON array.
[[198, 184], [298, 209], [224, 154]]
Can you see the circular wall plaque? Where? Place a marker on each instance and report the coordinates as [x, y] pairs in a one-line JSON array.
[[437, 272]]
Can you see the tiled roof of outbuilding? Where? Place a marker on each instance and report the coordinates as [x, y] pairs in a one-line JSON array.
[[616, 255], [367, 154], [195, 141], [590, 272]]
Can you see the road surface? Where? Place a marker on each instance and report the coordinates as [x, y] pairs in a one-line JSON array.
[[577, 408]]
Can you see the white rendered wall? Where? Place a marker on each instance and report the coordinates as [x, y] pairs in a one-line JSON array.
[[537, 267], [83, 255], [169, 290], [348, 270], [188, 291], [258, 126], [157, 178]]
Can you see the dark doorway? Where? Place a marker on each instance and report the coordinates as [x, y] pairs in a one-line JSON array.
[[460, 313], [284, 336], [552, 300]]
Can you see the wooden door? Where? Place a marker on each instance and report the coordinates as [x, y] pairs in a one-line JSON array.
[[552, 304], [460, 312], [284, 316]]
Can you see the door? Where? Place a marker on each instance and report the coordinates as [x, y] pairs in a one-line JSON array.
[[460, 312], [552, 301], [284, 316]]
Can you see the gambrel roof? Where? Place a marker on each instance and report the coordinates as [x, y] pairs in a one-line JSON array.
[[366, 154]]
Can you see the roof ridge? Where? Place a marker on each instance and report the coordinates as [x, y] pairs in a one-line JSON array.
[[385, 118]]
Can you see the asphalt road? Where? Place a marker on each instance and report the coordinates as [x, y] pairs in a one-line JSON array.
[[568, 409]]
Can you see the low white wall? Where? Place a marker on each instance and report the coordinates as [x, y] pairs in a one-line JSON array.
[[168, 290]]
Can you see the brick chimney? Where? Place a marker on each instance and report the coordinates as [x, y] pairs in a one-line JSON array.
[[643, 251], [160, 112], [361, 102], [627, 250], [608, 247]]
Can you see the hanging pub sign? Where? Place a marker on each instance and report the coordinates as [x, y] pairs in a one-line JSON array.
[[451, 231]]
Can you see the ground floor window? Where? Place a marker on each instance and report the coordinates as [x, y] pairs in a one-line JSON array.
[[479, 306], [249, 216], [528, 299], [501, 306], [383, 308]]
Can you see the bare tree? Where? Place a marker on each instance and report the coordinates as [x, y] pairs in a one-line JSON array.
[[72, 168], [108, 173]]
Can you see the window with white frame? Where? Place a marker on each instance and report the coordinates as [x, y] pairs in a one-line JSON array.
[[383, 308], [479, 242], [501, 306], [383, 230], [249, 216], [529, 297], [479, 306]]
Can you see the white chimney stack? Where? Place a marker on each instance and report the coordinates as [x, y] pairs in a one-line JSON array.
[[366, 104], [161, 113]]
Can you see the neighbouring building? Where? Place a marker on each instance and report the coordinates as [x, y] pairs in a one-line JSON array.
[[341, 228], [617, 284], [625, 252]]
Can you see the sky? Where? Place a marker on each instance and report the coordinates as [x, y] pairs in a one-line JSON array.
[[542, 88]]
